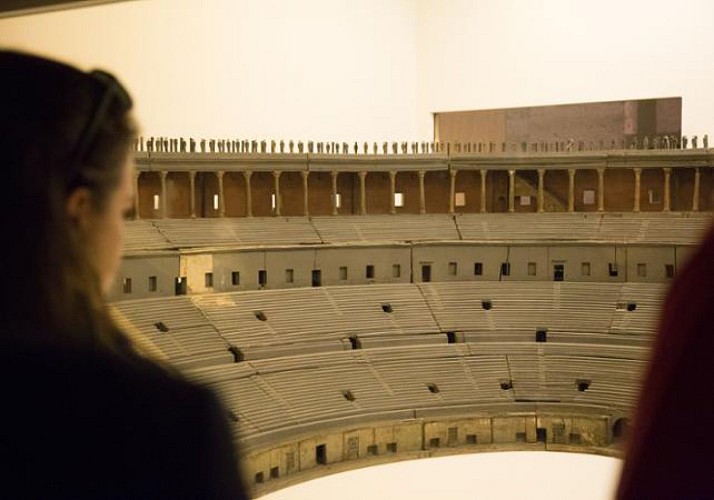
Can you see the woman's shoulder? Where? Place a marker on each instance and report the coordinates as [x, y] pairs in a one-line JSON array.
[[97, 378], [77, 416]]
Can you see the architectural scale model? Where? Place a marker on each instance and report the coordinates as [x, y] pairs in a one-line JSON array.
[[362, 303]]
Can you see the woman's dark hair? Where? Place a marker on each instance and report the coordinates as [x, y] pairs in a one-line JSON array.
[[60, 128]]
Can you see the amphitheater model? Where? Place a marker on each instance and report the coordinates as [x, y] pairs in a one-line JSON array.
[[357, 308]]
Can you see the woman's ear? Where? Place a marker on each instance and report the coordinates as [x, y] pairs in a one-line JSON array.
[[79, 207]]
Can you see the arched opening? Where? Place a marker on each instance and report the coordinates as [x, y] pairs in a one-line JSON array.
[[620, 429]]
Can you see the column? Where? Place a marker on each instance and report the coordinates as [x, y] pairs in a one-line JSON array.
[[695, 197], [221, 200], [541, 190], [164, 205], [392, 190], [600, 189], [667, 194], [362, 193], [483, 190], [511, 191], [452, 189], [334, 192], [422, 194], [571, 190], [638, 174], [276, 186], [248, 194], [305, 202], [137, 216], [192, 194]]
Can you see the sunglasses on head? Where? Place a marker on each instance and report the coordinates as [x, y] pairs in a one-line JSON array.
[[112, 91]]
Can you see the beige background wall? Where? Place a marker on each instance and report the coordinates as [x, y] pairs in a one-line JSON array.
[[376, 70]]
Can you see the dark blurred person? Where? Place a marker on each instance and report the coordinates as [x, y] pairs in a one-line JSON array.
[[84, 414], [670, 447]]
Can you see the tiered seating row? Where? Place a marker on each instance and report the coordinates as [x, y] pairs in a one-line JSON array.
[[654, 228], [319, 388], [278, 323], [178, 329]]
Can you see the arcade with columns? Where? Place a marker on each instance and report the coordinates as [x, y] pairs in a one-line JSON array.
[[174, 184]]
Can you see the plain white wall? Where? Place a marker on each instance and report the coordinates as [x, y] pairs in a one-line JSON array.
[[309, 69], [483, 54], [375, 70]]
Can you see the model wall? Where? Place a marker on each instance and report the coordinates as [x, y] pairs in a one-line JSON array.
[[342, 449], [155, 275]]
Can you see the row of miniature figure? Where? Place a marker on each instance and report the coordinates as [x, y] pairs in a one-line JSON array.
[[181, 145]]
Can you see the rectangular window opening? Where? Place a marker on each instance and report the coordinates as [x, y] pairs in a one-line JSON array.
[[453, 268], [452, 438], [215, 202], [585, 268], [289, 276], [353, 447], [396, 271], [642, 270], [612, 269], [506, 269], [471, 439], [425, 273], [434, 443], [460, 199], [338, 200], [153, 283], [343, 273], [369, 272], [541, 435], [274, 472], [262, 277], [588, 197], [316, 277], [398, 200], [273, 202], [235, 278], [180, 286], [654, 197], [321, 454], [532, 269], [290, 461], [126, 285], [208, 280], [157, 202], [392, 447], [372, 450], [478, 268], [259, 478], [520, 437], [668, 271], [541, 335]]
